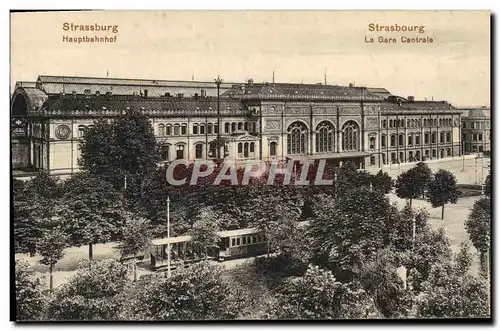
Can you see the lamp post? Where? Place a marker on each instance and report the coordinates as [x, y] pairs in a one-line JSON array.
[[169, 273], [218, 81]]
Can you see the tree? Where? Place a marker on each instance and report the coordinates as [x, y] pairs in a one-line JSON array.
[[125, 149], [443, 189], [34, 208], [487, 185], [29, 297], [423, 175], [383, 182], [407, 186], [51, 248], [318, 295], [136, 236], [91, 294], [197, 293], [478, 226], [204, 232], [352, 229], [92, 210], [380, 280], [277, 219], [451, 292]]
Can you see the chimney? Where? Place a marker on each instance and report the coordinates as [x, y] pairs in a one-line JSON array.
[[250, 82], [411, 98]]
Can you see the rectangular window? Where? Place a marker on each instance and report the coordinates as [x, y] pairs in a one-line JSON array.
[[169, 130], [183, 129], [433, 138], [464, 125], [448, 137], [441, 137], [216, 128], [233, 242], [237, 241], [401, 140], [393, 140], [202, 129], [472, 125], [244, 239], [209, 129], [384, 124], [383, 142], [410, 140], [199, 151], [372, 160], [426, 138], [480, 137], [417, 140], [195, 129], [272, 149], [474, 137], [176, 130]]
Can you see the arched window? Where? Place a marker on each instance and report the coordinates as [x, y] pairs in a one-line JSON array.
[[372, 142], [324, 137], [254, 127], [384, 124], [246, 126], [179, 151], [169, 130], [448, 137], [161, 130], [183, 129], [350, 136], [297, 138], [426, 138], [81, 131], [176, 129], [245, 150], [433, 138], [195, 128], [165, 153], [240, 148], [252, 147], [240, 126], [198, 151], [233, 127], [226, 127], [401, 139], [393, 140], [202, 128], [272, 148], [209, 128], [383, 140]]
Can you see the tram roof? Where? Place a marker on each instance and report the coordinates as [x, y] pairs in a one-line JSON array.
[[171, 240]]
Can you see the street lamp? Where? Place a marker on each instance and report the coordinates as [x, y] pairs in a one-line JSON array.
[[218, 81], [169, 273]]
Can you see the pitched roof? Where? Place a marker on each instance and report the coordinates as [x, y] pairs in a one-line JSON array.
[[429, 106], [123, 86], [68, 104], [477, 113], [307, 90]]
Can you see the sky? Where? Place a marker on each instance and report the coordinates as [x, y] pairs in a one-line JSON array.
[[299, 46]]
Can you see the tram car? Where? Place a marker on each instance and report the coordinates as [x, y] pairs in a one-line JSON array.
[[232, 244]]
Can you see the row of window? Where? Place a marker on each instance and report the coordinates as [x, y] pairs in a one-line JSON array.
[[475, 125], [444, 137], [246, 150], [248, 240], [475, 137], [416, 123], [412, 157], [201, 129]]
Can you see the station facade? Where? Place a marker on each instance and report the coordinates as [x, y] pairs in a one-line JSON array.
[[264, 121]]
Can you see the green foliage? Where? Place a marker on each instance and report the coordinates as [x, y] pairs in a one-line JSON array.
[[92, 209], [352, 229], [318, 295], [204, 232], [51, 247], [431, 247], [136, 235], [478, 224], [197, 293], [381, 281], [487, 185], [29, 298], [442, 188], [34, 208], [450, 291], [125, 147], [382, 182], [91, 294], [407, 185]]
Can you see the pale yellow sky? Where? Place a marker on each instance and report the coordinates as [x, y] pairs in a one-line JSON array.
[[237, 45]]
